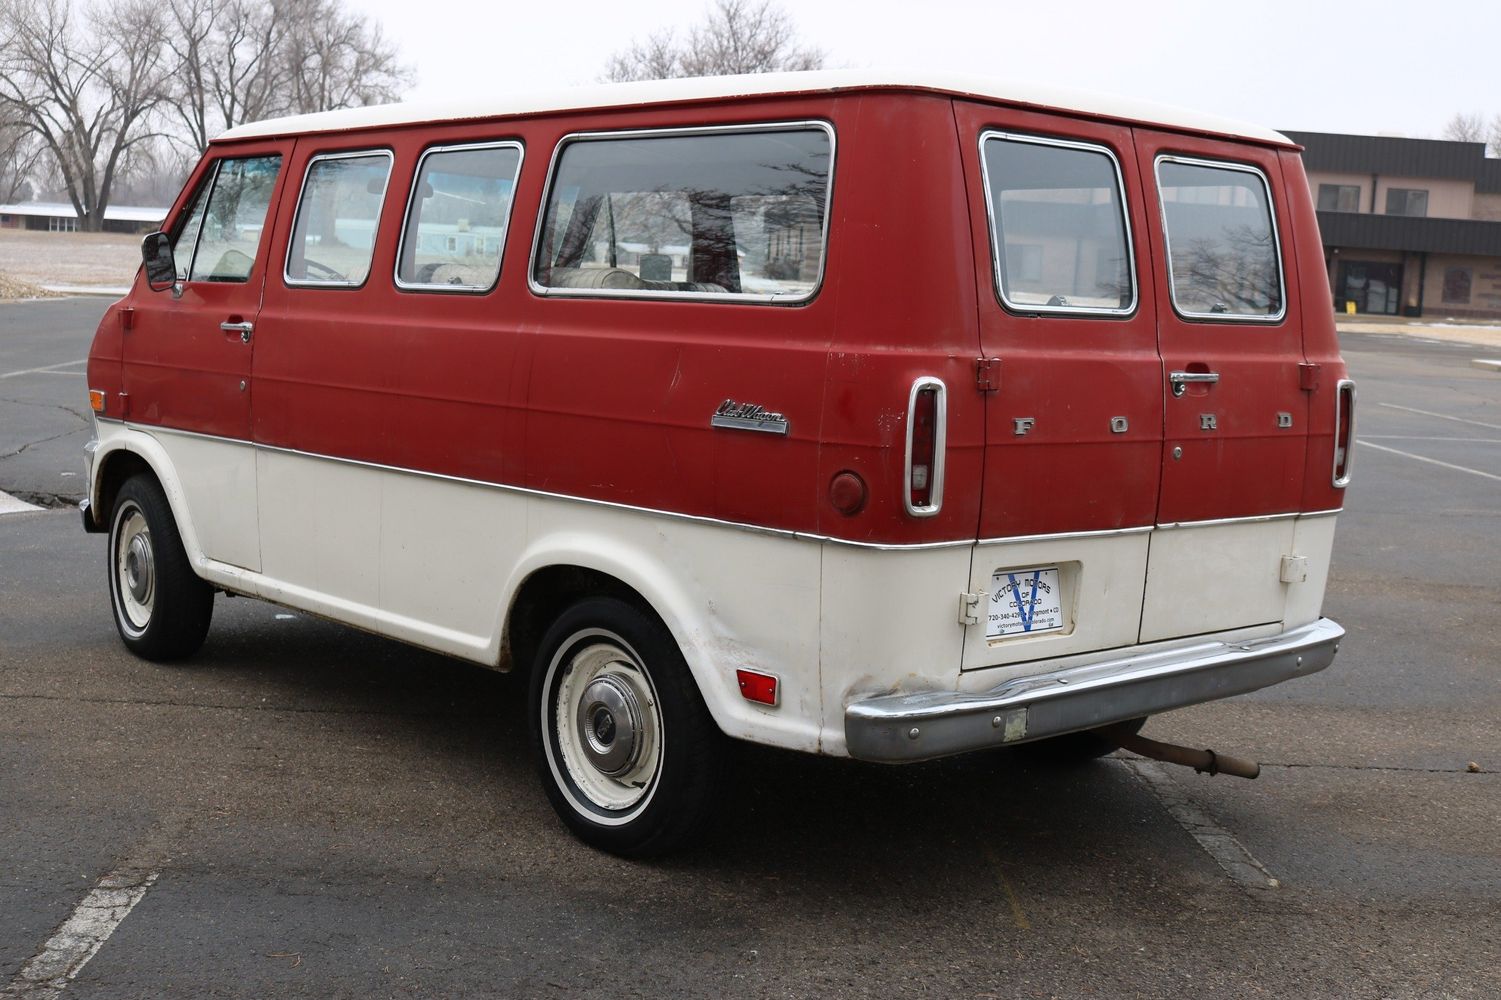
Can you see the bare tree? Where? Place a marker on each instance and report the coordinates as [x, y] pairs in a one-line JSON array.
[[20, 151], [85, 91], [1495, 137], [239, 61], [738, 36], [1465, 128], [335, 58]]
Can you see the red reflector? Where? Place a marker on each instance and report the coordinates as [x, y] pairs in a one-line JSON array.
[[760, 688], [847, 493]]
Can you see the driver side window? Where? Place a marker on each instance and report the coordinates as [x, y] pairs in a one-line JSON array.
[[223, 232]]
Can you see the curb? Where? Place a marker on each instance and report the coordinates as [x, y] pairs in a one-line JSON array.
[[112, 291]]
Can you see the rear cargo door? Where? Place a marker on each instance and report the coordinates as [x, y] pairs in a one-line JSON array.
[[1072, 382], [1236, 421]]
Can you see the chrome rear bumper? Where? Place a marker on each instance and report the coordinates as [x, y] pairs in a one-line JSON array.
[[908, 727]]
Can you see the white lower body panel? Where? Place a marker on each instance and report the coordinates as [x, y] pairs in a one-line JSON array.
[[437, 562]]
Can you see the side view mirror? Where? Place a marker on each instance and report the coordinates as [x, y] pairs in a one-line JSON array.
[[161, 268]]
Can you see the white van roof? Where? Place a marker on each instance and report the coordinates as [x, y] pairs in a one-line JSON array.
[[616, 95]]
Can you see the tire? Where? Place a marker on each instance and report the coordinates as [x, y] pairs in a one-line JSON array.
[[161, 607], [626, 748], [1073, 749]]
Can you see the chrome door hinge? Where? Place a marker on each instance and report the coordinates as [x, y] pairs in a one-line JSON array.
[[988, 374], [970, 606], [1308, 376]]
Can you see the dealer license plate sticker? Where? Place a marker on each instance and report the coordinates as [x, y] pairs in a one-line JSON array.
[[1024, 602]]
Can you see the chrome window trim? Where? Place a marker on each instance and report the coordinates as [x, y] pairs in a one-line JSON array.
[[940, 446], [380, 210], [997, 236], [546, 291], [505, 222], [208, 196], [1167, 240], [1335, 479]]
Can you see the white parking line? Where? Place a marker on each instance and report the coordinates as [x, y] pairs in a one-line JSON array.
[[1219, 843], [48, 972], [10, 505], [45, 369], [1418, 437], [1432, 461], [1441, 416]]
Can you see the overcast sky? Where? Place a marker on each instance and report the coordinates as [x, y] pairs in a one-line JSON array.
[[1367, 67]]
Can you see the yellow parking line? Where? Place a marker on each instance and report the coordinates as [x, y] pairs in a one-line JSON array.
[[1018, 915]]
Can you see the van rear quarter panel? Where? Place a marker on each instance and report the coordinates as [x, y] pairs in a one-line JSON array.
[[1320, 338]]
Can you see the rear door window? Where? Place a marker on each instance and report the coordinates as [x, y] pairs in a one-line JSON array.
[[456, 222], [710, 214], [1059, 234], [1223, 261], [337, 217]]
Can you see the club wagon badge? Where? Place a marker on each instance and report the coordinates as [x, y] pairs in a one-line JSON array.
[[1024, 602], [748, 417]]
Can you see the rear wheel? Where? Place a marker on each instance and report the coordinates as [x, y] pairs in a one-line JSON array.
[[626, 748], [1078, 748], [162, 608]]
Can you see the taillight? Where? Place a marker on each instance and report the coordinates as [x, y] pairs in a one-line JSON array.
[[926, 422], [1344, 431]]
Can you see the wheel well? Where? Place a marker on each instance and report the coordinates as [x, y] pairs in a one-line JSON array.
[[118, 467], [546, 594]]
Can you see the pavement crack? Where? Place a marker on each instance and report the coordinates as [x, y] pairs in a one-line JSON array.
[[1296, 765]]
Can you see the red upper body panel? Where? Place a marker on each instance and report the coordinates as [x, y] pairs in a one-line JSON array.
[[610, 399]]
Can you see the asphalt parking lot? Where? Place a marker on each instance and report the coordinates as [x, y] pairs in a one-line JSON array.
[[305, 810]]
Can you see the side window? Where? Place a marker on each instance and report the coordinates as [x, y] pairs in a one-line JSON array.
[[1407, 201], [1223, 260], [456, 222], [334, 236], [1059, 233], [708, 214], [230, 230], [1339, 198]]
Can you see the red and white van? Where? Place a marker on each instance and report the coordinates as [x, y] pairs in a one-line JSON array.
[[872, 417]]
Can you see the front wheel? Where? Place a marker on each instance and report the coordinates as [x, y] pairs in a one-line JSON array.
[[627, 750], [162, 608]]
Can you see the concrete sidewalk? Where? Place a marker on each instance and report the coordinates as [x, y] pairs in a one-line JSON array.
[[1453, 332]]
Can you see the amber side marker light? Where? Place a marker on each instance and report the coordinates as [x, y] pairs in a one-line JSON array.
[[96, 400], [757, 687]]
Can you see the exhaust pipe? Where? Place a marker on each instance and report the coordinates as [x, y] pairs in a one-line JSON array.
[[1202, 761]]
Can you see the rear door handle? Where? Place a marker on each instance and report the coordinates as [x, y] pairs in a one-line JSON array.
[[1180, 380], [243, 329]]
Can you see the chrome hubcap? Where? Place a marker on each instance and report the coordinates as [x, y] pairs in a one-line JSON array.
[[140, 572], [608, 725], [610, 721], [135, 569]]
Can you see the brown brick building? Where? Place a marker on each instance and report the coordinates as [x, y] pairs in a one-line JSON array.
[[1411, 227]]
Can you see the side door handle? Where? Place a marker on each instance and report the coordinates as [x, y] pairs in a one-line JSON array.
[[1180, 380], [243, 329]]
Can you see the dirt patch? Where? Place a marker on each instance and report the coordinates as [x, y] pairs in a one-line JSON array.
[[38, 258]]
